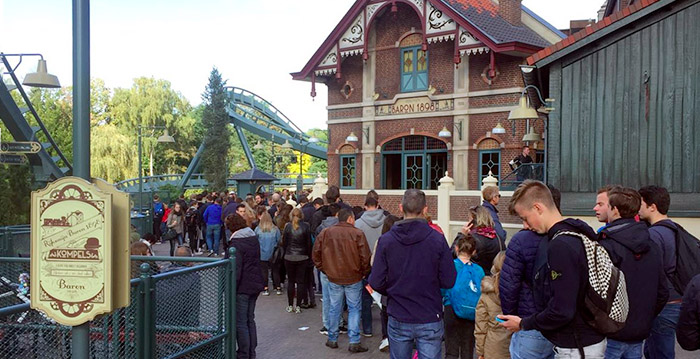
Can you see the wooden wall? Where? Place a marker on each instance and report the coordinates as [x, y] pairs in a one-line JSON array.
[[627, 108]]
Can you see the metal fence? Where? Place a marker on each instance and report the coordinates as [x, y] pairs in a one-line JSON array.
[[14, 241], [180, 308]]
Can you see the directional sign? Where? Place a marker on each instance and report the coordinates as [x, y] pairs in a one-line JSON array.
[[20, 147], [13, 159]]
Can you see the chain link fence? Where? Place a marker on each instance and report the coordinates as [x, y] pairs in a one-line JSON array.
[[180, 308]]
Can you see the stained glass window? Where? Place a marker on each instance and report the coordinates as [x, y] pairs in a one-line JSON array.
[[347, 171], [414, 69]]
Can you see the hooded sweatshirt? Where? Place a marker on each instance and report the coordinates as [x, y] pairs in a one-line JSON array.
[[630, 248], [412, 264], [371, 224], [328, 222], [562, 320], [249, 278]]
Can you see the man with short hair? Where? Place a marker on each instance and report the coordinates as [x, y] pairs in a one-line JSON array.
[[342, 253], [492, 197], [332, 196], [563, 319], [601, 206], [515, 290], [212, 217], [627, 241], [522, 164], [654, 209], [260, 199], [274, 204], [307, 208], [412, 264], [158, 213], [331, 220], [370, 223]]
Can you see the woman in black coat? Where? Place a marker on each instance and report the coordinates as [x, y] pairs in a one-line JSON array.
[[249, 283], [296, 241]]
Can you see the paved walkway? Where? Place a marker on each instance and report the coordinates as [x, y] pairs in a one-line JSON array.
[[280, 334]]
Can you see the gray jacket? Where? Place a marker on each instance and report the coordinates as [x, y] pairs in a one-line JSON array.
[[371, 224]]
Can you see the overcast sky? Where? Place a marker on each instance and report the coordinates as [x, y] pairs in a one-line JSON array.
[[255, 44]]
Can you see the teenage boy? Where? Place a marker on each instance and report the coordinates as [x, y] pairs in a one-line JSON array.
[[562, 320], [654, 209], [627, 241]]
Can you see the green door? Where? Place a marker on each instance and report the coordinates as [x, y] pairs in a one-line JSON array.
[[414, 171]]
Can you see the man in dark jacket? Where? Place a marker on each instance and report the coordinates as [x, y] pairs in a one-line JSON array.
[[307, 208], [491, 197], [342, 253], [688, 329], [515, 290], [627, 241], [654, 209], [562, 319], [332, 196], [411, 265]]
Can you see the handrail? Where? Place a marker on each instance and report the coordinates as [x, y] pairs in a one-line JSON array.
[[14, 309], [36, 115]]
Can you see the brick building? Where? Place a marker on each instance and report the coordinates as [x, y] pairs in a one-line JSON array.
[[415, 87]]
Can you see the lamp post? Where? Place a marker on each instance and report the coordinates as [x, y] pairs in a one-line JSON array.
[[165, 138]]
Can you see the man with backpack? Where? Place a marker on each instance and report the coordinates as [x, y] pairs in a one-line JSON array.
[[562, 283], [515, 290], [627, 241], [192, 222], [679, 265]]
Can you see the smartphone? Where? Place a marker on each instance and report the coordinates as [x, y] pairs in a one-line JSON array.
[[500, 320]]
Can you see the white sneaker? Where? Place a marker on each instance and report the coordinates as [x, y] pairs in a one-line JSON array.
[[384, 345], [290, 309], [297, 310]]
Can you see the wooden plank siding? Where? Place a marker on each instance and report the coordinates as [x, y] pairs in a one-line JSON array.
[[613, 126]]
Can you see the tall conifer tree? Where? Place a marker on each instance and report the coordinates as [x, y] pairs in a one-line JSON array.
[[216, 139]]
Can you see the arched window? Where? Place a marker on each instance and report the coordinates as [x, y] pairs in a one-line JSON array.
[[489, 159], [413, 162], [347, 166]]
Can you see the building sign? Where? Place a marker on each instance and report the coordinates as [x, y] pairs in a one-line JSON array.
[[71, 251], [415, 105]]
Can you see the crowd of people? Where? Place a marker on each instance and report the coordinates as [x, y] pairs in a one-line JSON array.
[[559, 289]]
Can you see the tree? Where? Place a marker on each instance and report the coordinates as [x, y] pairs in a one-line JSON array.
[[217, 137]]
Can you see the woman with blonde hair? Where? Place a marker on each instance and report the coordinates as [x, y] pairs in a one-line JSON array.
[[488, 244], [296, 241], [492, 340], [269, 236]]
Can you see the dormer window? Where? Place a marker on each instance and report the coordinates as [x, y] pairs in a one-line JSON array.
[[414, 69]]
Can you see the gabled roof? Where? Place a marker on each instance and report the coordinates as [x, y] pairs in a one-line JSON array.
[[563, 47], [483, 14], [478, 19], [253, 175]]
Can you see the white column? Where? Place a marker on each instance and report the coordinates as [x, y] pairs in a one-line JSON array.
[[320, 187], [447, 185]]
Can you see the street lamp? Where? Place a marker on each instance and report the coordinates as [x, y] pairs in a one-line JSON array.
[[40, 78], [165, 138]]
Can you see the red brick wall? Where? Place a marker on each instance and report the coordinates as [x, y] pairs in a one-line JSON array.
[[459, 209], [351, 70], [441, 66], [390, 203], [345, 113], [507, 66], [495, 100]]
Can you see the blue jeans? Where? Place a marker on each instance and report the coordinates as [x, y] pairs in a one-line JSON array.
[[366, 309], [352, 294], [213, 234], [622, 350], [427, 338], [326, 300], [530, 344], [661, 343], [246, 333]]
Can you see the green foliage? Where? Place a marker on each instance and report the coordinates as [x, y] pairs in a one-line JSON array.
[[15, 186], [217, 136]]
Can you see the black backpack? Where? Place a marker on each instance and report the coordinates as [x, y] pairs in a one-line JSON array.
[[191, 217], [687, 256], [606, 292]]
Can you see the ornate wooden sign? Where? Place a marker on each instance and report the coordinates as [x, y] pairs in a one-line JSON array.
[[71, 254]]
